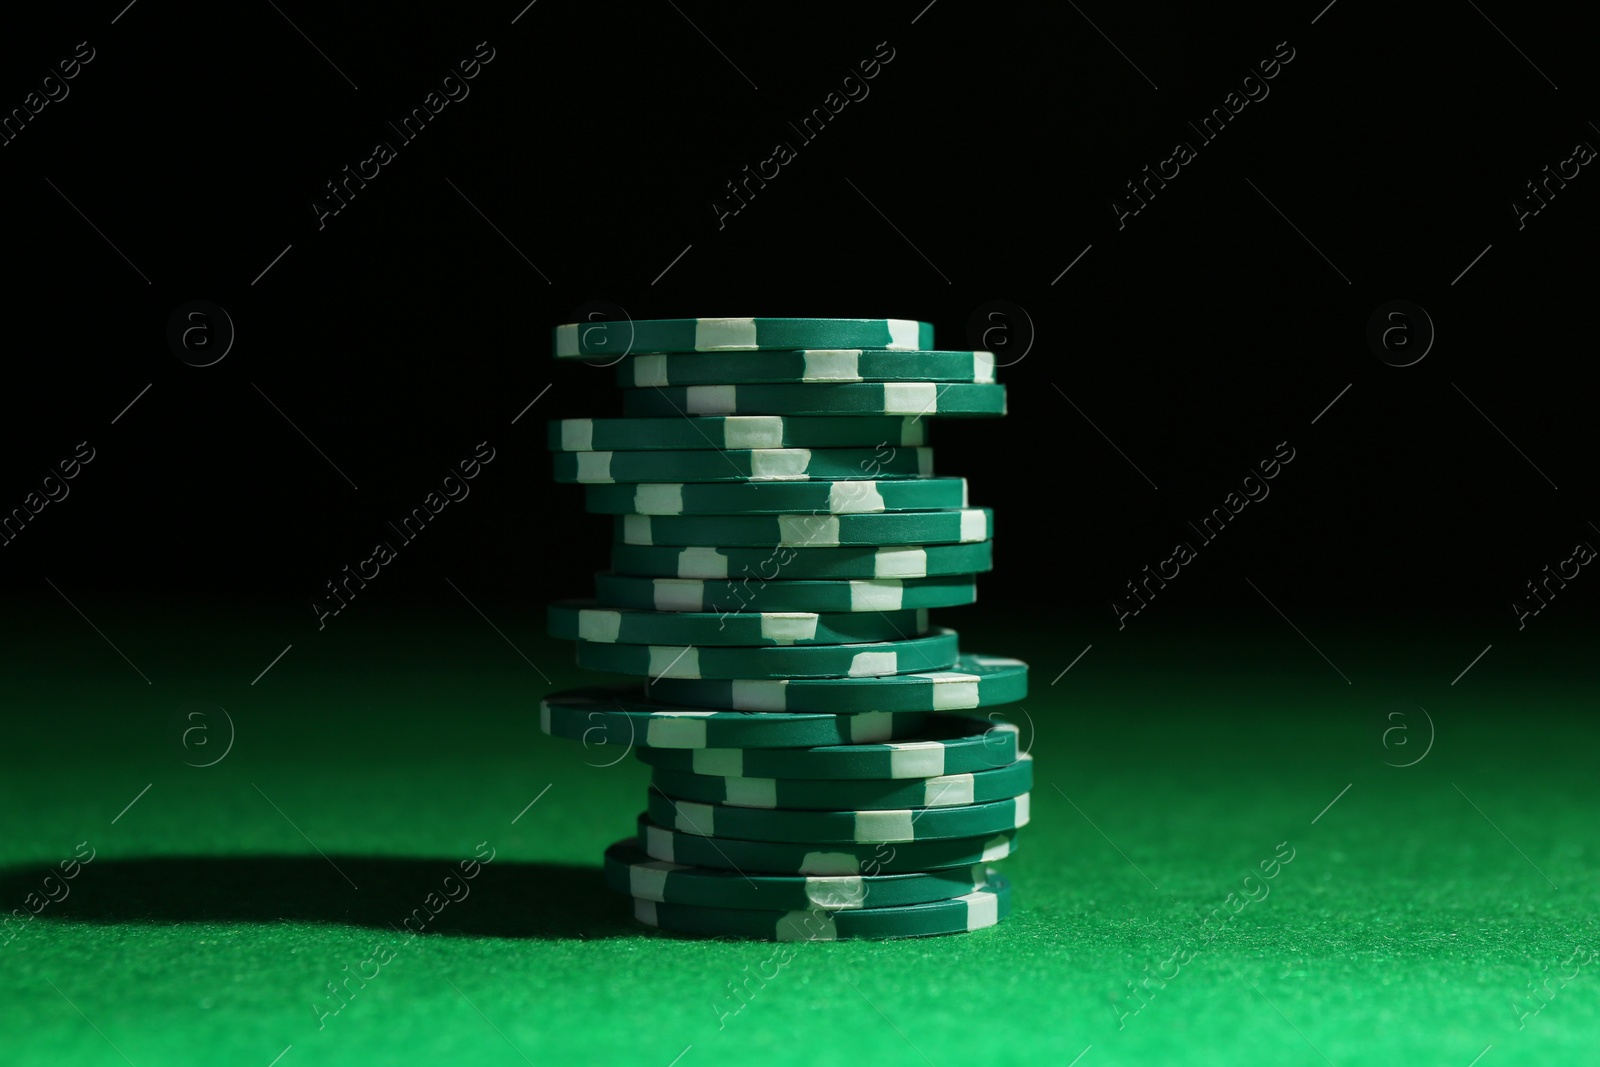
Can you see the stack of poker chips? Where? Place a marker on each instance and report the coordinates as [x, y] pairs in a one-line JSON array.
[[823, 764]]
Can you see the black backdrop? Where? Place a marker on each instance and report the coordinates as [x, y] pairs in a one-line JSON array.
[[1182, 346]]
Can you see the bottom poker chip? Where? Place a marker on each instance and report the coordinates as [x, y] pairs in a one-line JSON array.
[[782, 857], [983, 907], [630, 870]]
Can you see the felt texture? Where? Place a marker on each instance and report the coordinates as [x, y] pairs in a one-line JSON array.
[[1411, 925]]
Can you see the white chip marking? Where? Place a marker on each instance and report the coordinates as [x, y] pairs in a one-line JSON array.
[[544, 716], [1024, 809], [836, 365], [905, 335], [871, 727], [691, 818], [750, 792], [702, 563], [679, 594], [874, 826], [948, 791], [779, 464], [658, 843], [983, 909], [885, 594], [645, 911], [925, 462], [760, 694], [753, 431], [648, 881], [910, 398], [676, 729], [983, 367], [711, 335], [567, 339], [787, 627], [808, 530], [872, 664], [658, 498], [826, 863], [594, 467], [913, 432], [998, 848], [636, 530], [853, 497], [577, 435], [916, 759], [673, 661], [974, 525], [649, 371], [900, 561], [599, 625], [837, 894]]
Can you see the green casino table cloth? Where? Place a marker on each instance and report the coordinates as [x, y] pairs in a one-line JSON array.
[[1239, 853]]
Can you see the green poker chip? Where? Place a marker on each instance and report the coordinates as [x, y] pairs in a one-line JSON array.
[[782, 857], [916, 399], [736, 465], [610, 339], [867, 794], [616, 718], [735, 431], [818, 496], [953, 526], [977, 910], [588, 620], [739, 595], [842, 827], [947, 745], [975, 681], [798, 564], [935, 651], [629, 869], [826, 365]]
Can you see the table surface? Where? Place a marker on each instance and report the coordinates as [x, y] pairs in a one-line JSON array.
[[1421, 908]]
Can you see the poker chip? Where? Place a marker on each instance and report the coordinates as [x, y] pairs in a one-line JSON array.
[[735, 432], [869, 827], [817, 365], [934, 651], [744, 594], [788, 563], [783, 857], [620, 718], [588, 620], [629, 869], [981, 908], [916, 399], [864, 794], [811, 497], [742, 465], [953, 526], [580, 340], [944, 745], [778, 539], [974, 682]]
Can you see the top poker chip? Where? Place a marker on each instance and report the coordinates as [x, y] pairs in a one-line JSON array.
[[580, 340]]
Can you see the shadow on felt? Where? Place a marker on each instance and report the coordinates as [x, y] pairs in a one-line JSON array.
[[544, 901]]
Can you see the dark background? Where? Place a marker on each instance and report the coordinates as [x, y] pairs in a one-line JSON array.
[[1196, 338]]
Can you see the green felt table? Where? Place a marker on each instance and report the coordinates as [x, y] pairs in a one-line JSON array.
[[1422, 905]]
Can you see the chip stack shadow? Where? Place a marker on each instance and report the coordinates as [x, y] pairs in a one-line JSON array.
[[822, 763]]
